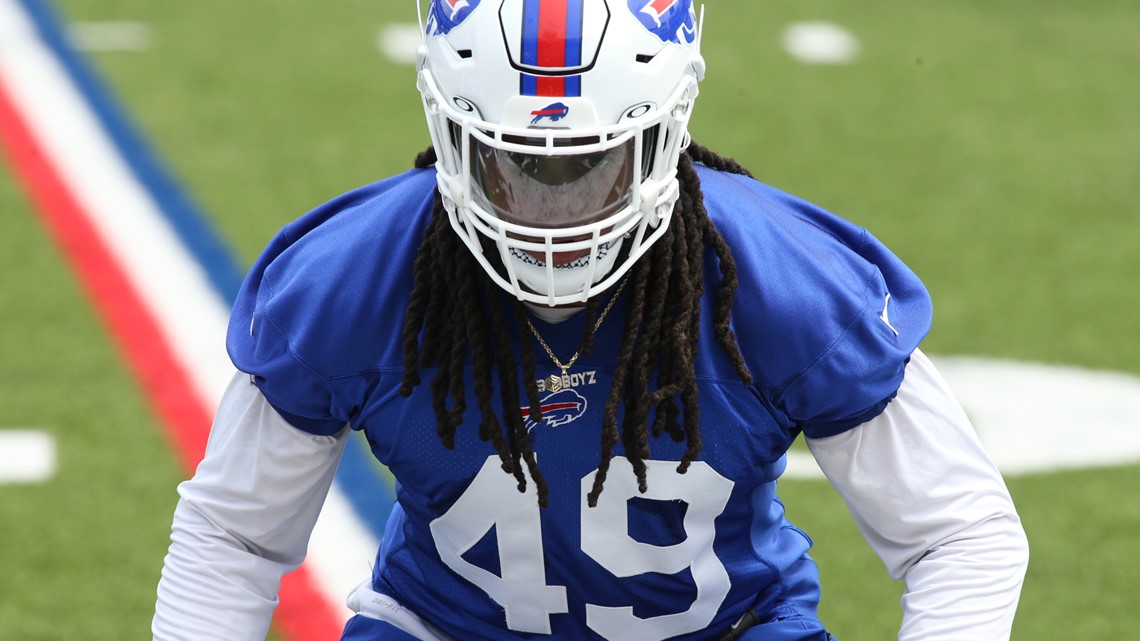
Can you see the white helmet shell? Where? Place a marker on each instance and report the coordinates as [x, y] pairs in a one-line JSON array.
[[558, 125]]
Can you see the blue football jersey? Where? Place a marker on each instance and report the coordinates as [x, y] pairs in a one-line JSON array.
[[826, 318]]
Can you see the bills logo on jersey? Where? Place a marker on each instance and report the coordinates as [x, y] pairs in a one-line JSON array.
[[445, 15], [560, 408], [671, 20], [553, 112]]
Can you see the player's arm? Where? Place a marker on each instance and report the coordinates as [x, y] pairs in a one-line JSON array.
[[243, 521], [935, 509]]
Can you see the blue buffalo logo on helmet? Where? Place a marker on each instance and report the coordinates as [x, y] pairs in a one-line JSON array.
[[671, 20], [554, 112], [559, 408], [445, 15]]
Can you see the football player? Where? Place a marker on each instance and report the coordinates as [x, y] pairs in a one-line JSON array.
[[583, 345]]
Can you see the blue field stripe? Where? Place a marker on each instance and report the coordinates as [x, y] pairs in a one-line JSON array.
[[194, 230], [367, 488]]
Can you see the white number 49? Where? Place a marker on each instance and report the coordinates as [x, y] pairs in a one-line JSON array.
[[492, 500]]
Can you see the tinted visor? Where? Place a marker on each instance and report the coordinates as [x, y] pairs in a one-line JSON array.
[[537, 190]]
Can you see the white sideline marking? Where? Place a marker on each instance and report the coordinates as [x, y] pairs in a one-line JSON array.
[[1032, 417], [26, 456], [173, 286], [820, 43], [346, 549], [110, 36], [398, 42]]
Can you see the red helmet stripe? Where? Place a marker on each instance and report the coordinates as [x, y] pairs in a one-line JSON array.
[[552, 38], [552, 45]]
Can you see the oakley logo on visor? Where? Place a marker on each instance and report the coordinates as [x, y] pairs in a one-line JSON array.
[[555, 112]]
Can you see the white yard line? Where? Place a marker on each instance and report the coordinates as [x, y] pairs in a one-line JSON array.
[[1035, 418], [26, 456], [820, 43], [110, 36], [398, 42]]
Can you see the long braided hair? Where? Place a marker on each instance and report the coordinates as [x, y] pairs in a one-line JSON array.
[[448, 305]]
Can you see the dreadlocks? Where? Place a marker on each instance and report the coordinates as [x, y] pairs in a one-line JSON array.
[[662, 327]]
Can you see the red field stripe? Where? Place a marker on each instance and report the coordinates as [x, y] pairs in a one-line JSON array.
[[304, 614], [131, 326]]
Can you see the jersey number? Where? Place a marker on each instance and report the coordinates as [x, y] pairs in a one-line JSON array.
[[492, 501]]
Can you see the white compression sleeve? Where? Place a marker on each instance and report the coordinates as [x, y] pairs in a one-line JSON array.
[[243, 521], [935, 509]]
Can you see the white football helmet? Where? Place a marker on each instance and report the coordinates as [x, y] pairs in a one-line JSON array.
[[558, 125]]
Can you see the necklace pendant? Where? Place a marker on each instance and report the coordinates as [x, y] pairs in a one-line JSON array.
[[554, 383]]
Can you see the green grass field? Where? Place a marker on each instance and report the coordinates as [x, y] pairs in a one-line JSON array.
[[994, 145]]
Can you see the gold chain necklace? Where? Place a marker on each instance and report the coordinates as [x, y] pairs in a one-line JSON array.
[[555, 382]]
